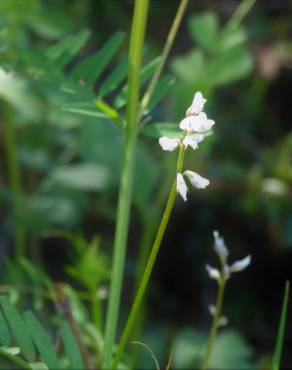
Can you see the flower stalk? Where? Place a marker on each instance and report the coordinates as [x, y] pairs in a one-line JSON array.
[[125, 193]]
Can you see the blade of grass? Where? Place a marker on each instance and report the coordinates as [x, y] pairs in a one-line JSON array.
[[281, 330]]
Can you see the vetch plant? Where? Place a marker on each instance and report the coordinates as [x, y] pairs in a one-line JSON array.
[[193, 127], [221, 275]]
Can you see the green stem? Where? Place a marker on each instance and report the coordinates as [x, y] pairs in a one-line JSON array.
[[168, 44], [241, 12], [15, 360], [125, 193], [150, 264], [14, 178], [96, 309], [216, 318]]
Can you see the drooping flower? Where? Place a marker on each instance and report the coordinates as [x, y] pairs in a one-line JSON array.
[[219, 246], [200, 123], [168, 143], [213, 273], [193, 140], [241, 264], [197, 104], [181, 186], [196, 180]]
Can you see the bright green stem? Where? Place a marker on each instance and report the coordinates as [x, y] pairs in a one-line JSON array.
[[125, 193], [96, 309], [14, 177], [15, 360], [168, 44], [216, 318], [241, 12], [150, 264]]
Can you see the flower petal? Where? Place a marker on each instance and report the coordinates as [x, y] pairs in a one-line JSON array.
[[181, 186], [241, 264], [196, 180], [212, 272], [219, 246], [193, 140], [168, 144], [199, 123], [197, 104]]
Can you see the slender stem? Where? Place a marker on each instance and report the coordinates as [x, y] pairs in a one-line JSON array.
[[168, 44], [150, 264], [96, 309], [16, 360], [125, 194], [216, 318], [14, 177], [242, 10]]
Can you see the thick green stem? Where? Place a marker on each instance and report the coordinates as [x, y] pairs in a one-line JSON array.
[[216, 318], [150, 264], [168, 44], [15, 360], [96, 309], [14, 178], [125, 194]]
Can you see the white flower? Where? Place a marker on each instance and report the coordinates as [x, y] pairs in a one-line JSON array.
[[196, 180], [199, 123], [193, 140], [223, 321], [219, 246], [181, 186], [213, 273], [211, 309], [197, 104], [241, 264], [168, 144]]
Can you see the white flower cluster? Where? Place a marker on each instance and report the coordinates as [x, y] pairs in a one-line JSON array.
[[194, 126], [222, 252], [226, 270]]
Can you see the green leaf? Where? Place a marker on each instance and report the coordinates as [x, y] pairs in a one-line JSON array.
[[281, 330], [156, 130], [18, 329], [65, 50], [38, 366], [189, 347], [231, 66], [116, 77], [90, 69], [5, 336], [42, 341], [223, 358], [84, 108], [161, 89], [81, 176], [230, 37], [190, 67], [71, 347], [204, 29]]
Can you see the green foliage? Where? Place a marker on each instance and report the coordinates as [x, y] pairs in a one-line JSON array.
[[34, 342], [221, 58]]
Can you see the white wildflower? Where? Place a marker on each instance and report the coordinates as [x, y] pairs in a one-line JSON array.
[[241, 264], [212, 309], [223, 321], [193, 140], [181, 186], [213, 273], [197, 104], [200, 123], [219, 246], [196, 180], [168, 143]]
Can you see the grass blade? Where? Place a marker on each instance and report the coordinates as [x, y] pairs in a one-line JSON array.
[[90, 69], [18, 329], [281, 329], [5, 336], [71, 347], [42, 341]]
